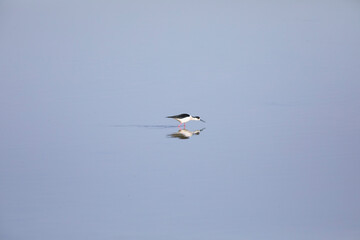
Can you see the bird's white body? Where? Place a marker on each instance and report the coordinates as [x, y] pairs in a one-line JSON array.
[[186, 119]]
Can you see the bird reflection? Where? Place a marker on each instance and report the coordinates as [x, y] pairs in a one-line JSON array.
[[184, 133]]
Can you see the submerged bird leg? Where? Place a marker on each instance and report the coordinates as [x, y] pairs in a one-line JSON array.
[[184, 125]]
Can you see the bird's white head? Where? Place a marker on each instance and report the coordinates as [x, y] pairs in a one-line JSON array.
[[197, 118]]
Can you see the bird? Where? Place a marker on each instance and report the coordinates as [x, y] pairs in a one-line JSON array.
[[184, 118]]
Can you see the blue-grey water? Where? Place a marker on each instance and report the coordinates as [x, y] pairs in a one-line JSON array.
[[87, 153]]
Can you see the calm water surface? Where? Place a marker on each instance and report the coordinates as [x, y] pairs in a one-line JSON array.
[[87, 153]]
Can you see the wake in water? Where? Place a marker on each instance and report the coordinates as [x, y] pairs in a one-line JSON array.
[[144, 126]]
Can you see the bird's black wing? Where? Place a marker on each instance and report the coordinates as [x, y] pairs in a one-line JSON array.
[[184, 115]]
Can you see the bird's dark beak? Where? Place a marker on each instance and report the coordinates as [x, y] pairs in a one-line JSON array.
[[202, 120]]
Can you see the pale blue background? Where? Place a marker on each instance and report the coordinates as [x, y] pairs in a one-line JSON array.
[[85, 87]]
